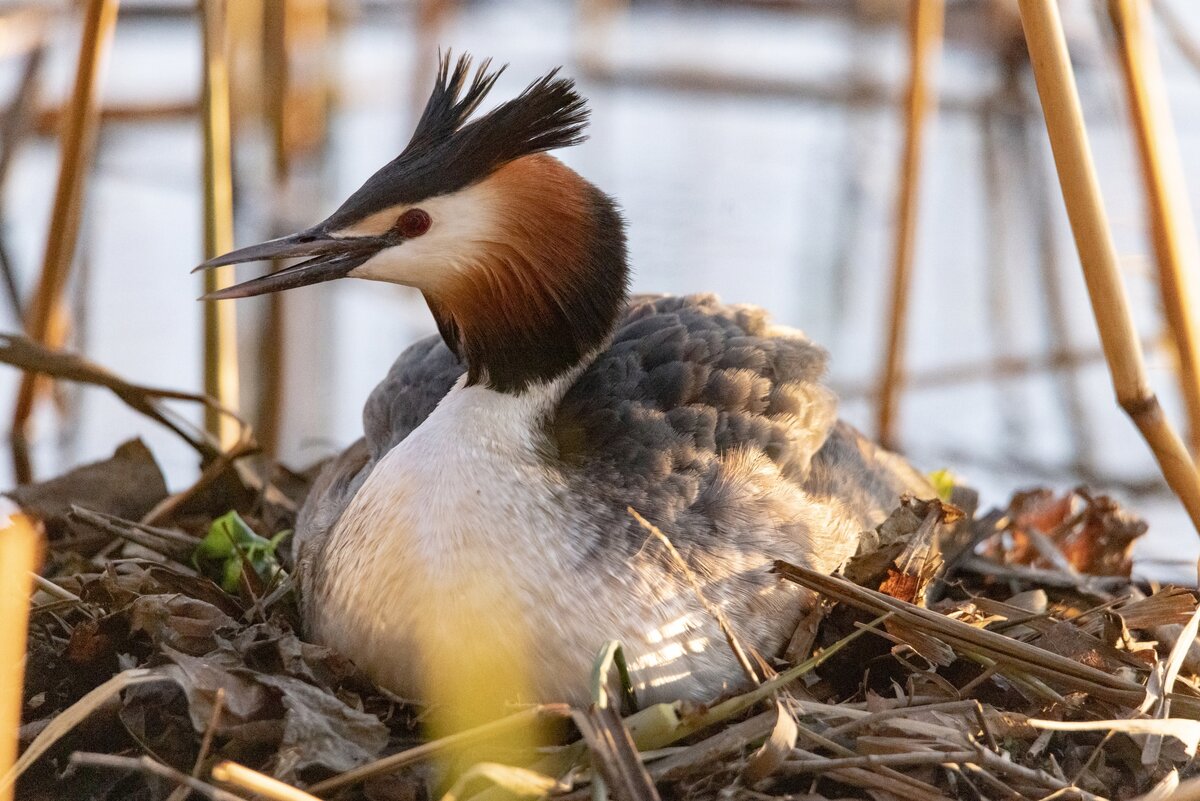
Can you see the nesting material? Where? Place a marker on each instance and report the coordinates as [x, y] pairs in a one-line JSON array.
[[1004, 654]]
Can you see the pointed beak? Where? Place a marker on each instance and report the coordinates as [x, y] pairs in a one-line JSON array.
[[329, 258]]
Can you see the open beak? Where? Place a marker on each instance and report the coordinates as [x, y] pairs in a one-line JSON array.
[[329, 258]]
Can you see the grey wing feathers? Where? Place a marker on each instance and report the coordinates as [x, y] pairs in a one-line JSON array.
[[327, 499], [688, 377], [862, 478]]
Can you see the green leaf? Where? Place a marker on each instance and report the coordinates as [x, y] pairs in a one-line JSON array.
[[229, 543]]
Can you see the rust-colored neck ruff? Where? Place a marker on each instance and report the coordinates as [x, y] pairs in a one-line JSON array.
[[546, 293]]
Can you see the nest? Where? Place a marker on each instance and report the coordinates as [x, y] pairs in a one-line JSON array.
[[959, 655]]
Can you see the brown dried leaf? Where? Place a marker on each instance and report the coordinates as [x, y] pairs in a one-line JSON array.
[[127, 485], [900, 585], [1103, 544], [246, 699], [1048, 531], [179, 622]]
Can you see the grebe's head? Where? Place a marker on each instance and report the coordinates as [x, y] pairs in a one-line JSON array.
[[521, 261]]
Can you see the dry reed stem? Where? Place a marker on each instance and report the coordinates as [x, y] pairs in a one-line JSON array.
[[1177, 30], [882, 769], [259, 783], [147, 765], [1097, 254], [50, 588], [78, 139], [720, 745], [220, 320], [1173, 235], [29, 28], [908, 760], [1026, 661], [66, 720], [389, 764], [914, 790], [18, 559], [899, 712], [925, 29], [298, 116]]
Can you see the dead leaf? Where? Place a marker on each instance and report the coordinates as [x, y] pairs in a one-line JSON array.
[[179, 622], [246, 699], [777, 748], [127, 485], [319, 729]]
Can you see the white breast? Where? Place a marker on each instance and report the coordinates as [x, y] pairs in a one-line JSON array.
[[463, 548]]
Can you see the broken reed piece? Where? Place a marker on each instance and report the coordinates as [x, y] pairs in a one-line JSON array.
[[220, 320], [1097, 253], [925, 28], [45, 321], [18, 560], [1168, 211], [258, 783]]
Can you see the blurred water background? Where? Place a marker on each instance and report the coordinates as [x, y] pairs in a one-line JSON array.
[[775, 198]]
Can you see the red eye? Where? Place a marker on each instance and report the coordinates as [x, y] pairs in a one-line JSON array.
[[413, 223]]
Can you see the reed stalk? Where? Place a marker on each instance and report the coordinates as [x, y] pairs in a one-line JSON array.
[[44, 321], [1097, 253], [1168, 211], [925, 28], [260, 784], [220, 320], [18, 557]]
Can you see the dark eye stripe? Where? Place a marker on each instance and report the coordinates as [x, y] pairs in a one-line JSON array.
[[413, 223]]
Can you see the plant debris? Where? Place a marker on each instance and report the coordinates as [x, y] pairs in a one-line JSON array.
[[999, 655]]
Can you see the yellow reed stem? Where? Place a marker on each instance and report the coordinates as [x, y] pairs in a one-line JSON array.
[[925, 23], [220, 320], [1167, 208], [18, 559], [258, 783], [78, 139], [1097, 254]]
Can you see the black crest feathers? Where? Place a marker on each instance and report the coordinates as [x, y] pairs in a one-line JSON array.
[[447, 152]]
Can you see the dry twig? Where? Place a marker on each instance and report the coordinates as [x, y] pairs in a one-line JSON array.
[[153, 767], [258, 783]]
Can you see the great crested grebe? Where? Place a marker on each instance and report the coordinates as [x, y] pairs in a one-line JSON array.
[[500, 459]]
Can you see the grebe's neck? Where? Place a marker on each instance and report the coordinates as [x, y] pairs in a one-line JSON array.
[[546, 293], [514, 420]]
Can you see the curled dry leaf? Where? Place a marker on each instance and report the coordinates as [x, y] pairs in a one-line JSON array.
[[771, 755], [1089, 534]]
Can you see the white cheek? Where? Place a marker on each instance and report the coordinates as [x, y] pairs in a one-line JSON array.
[[463, 225], [409, 263]]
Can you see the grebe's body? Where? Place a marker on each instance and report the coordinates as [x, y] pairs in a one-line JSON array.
[[486, 509], [701, 416]]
